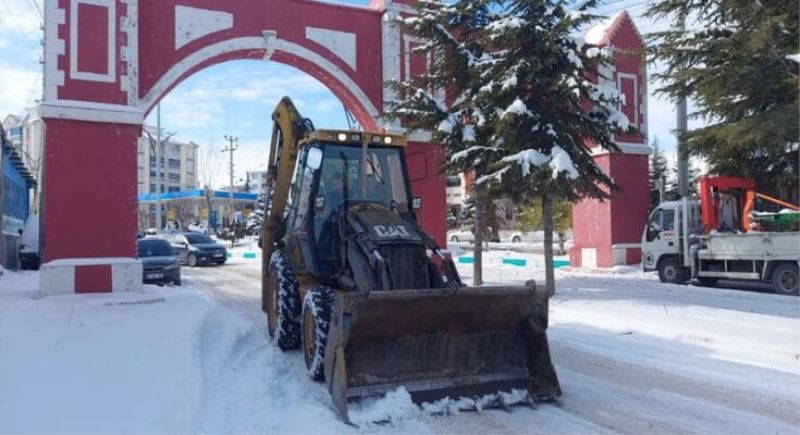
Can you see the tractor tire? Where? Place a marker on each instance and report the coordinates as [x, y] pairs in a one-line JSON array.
[[785, 280], [670, 272], [317, 311], [283, 302]]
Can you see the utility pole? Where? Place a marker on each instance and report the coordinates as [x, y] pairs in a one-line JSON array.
[[158, 168], [233, 145], [683, 149]]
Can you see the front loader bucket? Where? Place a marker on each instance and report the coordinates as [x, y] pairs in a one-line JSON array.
[[466, 342]]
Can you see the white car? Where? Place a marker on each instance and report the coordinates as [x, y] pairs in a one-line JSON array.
[[513, 236], [460, 235]]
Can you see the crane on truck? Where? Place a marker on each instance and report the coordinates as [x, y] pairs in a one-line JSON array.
[[723, 236], [350, 277]]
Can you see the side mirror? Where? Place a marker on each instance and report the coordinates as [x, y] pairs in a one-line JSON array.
[[314, 158], [416, 203]]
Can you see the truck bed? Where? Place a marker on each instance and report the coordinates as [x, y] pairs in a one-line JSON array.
[[751, 246]]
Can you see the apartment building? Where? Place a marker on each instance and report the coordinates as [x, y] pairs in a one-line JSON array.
[[178, 164], [256, 181]]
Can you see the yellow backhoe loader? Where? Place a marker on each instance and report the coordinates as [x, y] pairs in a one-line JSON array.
[[349, 276]]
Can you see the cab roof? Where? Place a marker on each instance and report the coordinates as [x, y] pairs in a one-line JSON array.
[[358, 137]]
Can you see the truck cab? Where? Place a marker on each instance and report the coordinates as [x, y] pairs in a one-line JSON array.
[[663, 239]]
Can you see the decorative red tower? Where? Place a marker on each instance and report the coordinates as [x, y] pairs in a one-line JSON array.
[[608, 233]]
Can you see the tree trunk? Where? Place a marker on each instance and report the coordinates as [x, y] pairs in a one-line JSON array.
[[477, 265], [547, 217]]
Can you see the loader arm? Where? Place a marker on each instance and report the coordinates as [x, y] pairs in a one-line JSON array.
[[287, 130]]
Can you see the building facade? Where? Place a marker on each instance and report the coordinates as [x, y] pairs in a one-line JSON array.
[[256, 181], [178, 164], [16, 183], [26, 136]]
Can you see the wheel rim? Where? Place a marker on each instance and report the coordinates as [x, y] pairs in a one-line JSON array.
[[787, 281], [309, 337], [670, 272], [192, 260], [272, 305]]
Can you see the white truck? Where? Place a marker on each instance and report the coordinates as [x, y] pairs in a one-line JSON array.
[[680, 251]]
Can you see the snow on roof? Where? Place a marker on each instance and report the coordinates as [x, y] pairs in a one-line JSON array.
[[601, 33]]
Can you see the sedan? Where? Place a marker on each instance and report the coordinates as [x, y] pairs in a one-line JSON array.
[[196, 249], [159, 263]]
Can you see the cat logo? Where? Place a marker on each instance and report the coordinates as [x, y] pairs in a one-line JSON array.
[[385, 231]]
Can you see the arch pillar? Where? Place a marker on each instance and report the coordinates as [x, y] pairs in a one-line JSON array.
[[88, 231]]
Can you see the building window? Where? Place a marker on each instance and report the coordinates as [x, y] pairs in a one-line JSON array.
[[453, 181], [174, 178], [174, 164]]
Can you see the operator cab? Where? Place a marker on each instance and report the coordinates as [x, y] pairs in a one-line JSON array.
[[337, 170]]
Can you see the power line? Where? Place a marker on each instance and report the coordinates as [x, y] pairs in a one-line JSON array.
[[21, 28]]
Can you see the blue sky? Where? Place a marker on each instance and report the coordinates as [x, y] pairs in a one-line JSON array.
[[236, 98]]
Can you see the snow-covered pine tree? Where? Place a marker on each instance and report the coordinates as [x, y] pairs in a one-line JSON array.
[[658, 175], [738, 62], [523, 103], [455, 39]]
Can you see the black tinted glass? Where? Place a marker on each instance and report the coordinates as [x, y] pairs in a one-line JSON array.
[[154, 247], [198, 239]]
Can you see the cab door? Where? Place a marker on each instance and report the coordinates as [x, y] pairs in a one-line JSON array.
[[660, 237]]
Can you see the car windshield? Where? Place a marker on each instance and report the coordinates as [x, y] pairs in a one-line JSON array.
[[382, 180], [154, 248], [198, 239]]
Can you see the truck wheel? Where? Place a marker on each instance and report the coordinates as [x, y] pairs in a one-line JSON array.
[[785, 280], [516, 239], [283, 302], [317, 311], [670, 272]]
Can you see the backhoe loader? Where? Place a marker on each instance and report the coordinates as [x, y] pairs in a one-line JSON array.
[[349, 276]]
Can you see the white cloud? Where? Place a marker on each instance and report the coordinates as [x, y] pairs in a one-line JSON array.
[[17, 84]]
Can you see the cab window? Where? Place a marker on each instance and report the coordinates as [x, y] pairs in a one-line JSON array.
[[668, 220]]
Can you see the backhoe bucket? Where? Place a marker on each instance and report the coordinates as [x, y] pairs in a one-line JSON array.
[[467, 342]]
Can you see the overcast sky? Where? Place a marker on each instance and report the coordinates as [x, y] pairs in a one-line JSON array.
[[236, 98]]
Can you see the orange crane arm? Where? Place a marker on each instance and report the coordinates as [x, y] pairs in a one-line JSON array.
[[750, 205]]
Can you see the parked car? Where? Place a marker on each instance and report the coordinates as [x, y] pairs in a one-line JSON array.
[[29, 257], [159, 263], [197, 249], [460, 235]]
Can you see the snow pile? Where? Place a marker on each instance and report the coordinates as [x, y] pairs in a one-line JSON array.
[[102, 363], [393, 407]]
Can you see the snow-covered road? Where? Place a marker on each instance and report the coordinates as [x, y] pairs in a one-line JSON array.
[[633, 355]]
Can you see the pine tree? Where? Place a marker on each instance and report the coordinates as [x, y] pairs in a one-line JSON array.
[[738, 63], [522, 99], [671, 190], [658, 175]]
